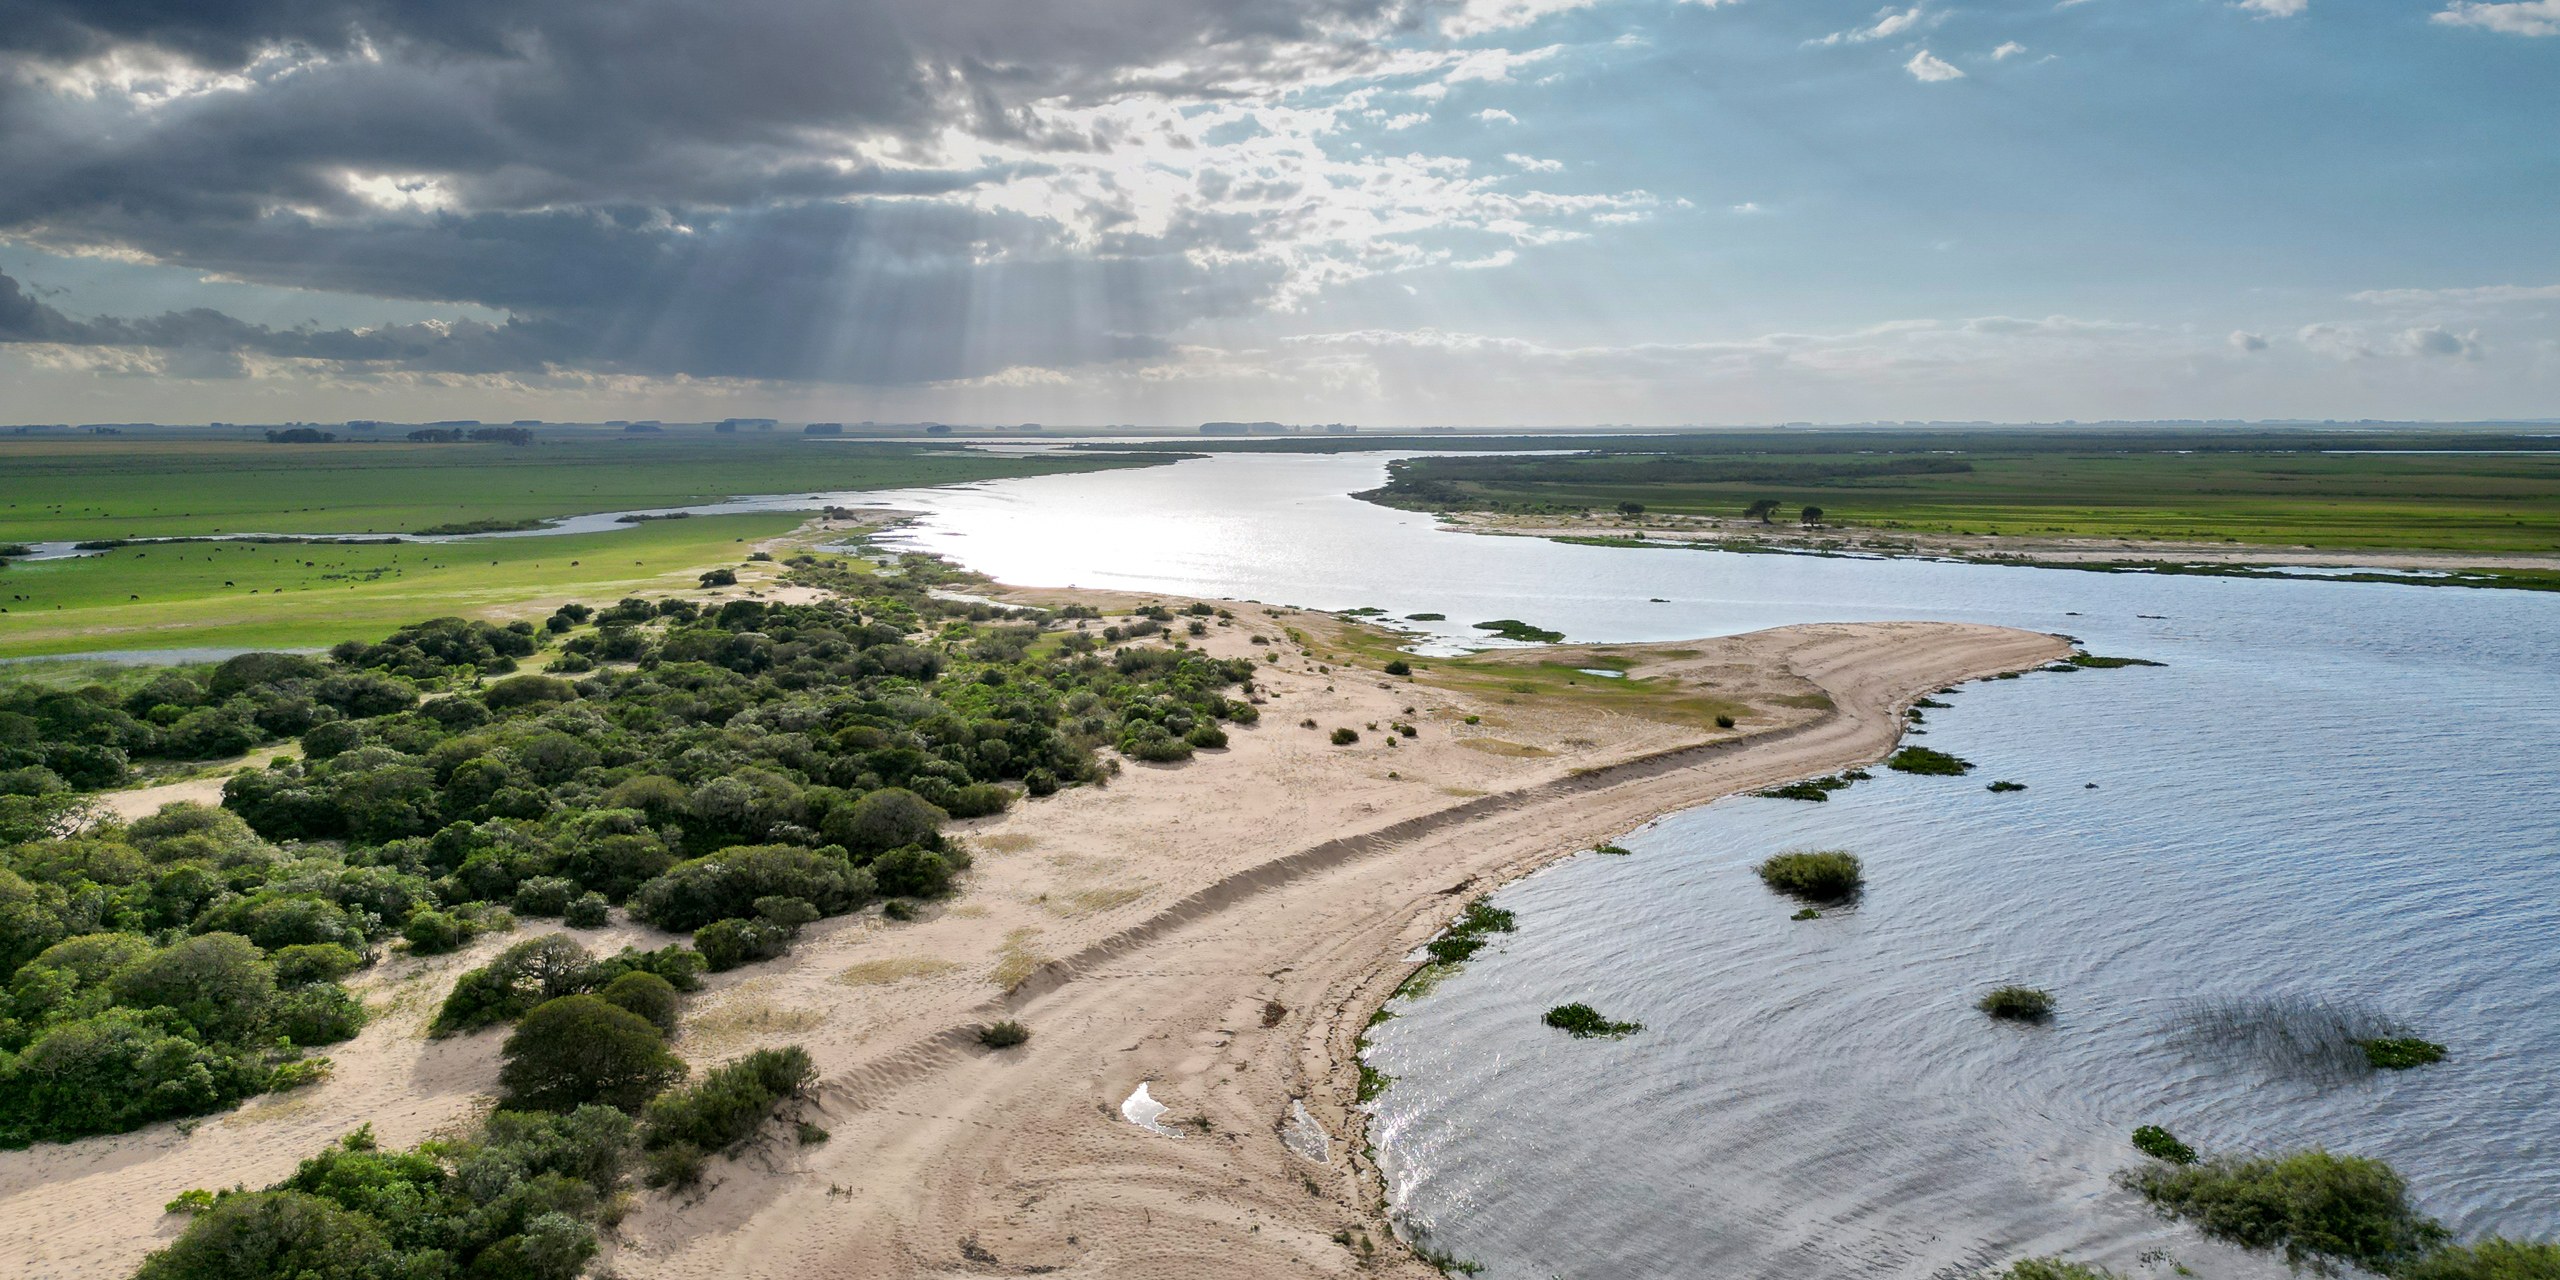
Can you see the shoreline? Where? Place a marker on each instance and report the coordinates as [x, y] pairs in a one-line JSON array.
[[1146, 931]]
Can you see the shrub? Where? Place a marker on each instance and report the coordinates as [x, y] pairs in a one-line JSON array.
[[912, 872], [1922, 760], [884, 820], [726, 885], [1818, 875], [545, 896], [587, 911], [218, 983], [516, 980], [1345, 736], [313, 962], [331, 740], [525, 691], [726, 944], [1582, 1022], [2323, 1210], [1399, 667], [1207, 737], [321, 1013], [1040, 782], [1003, 1035], [2159, 1144], [646, 994], [977, 800], [579, 1049], [276, 1233], [729, 1102], [433, 932], [2491, 1259]]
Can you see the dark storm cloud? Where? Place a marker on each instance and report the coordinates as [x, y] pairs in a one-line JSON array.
[[657, 185]]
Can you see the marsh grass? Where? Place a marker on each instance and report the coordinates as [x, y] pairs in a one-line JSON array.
[[2294, 1036], [2160, 1144], [2006, 785], [1818, 875], [1929, 763], [2400, 1053]]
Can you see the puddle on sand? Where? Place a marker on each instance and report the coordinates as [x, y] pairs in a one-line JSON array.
[[1306, 1137], [1144, 1111]]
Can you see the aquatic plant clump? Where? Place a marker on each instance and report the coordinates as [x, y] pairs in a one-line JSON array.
[[1820, 875], [2159, 1144], [1465, 936], [2326, 1212], [1583, 1022], [2057, 1269], [1515, 629], [1929, 763], [2400, 1053], [2017, 1004], [2006, 785]]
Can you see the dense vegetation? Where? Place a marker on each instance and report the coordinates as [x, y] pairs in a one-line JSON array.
[[2017, 1004], [1818, 875], [1582, 1022], [735, 774]]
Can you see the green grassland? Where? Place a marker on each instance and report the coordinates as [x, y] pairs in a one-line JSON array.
[[2478, 502], [291, 595], [90, 489]]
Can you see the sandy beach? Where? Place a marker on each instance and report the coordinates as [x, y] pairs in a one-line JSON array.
[[1218, 931]]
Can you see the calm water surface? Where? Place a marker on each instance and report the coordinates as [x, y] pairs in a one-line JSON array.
[[2333, 791]]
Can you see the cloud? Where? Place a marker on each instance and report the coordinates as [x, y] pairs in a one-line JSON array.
[[1533, 164], [2437, 342], [2484, 294], [2010, 49], [2242, 340], [1748, 206], [2527, 18], [1496, 115], [1889, 22], [2274, 8], [1929, 68], [2352, 343]]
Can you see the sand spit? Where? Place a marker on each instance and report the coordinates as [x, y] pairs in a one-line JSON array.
[[1217, 931]]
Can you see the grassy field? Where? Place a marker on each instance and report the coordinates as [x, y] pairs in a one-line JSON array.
[[2474, 501], [92, 488], [222, 594], [233, 594]]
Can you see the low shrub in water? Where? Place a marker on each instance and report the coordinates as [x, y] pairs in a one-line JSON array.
[[2400, 1054], [2326, 1212], [2491, 1259], [1922, 760], [1822, 875], [2005, 785], [2017, 1004], [2159, 1144]]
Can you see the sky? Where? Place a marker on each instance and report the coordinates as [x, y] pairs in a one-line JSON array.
[[1386, 212]]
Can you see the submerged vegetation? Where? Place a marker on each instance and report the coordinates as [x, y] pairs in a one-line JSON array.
[[1582, 1022], [2160, 1144], [2400, 1053], [1466, 935], [1515, 629], [2299, 1036], [1817, 875], [1928, 762], [1816, 789]]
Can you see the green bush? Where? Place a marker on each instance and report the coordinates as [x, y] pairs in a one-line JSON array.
[[514, 982], [2005, 785], [1003, 1035], [2159, 1144], [726, 944], [2324, 1211], [312, 962], [545, 896], [320, 1013], [2057, 1269], [2017, 1004], [432, 932], [1399, 667], [977, 800], [218, 984], [1345, 736], [587, 911], [913, 872], [2491, 1259], [1818, 875], [727, 1104], [1207, 737], [646, 994], [726, 885], [1582, 1022], [578, 1050], [281, 1234], [1922, 760], [884, 820]]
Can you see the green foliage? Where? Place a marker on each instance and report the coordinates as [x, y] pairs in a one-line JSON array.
[[587, 911], [726, 885], [2326, 1212], [2017, 1004], [1923, 760], [312, 962], [1399, 667], [2400, 1053], [513, 982], [720, 1110], [2159, 1144], [2005, 785], [1807, 913], [884, 820], [1003, 1035], [2492, 1259], [2057, 1269], [1582, 1022], [279, 1233], [1345, 736], [577, 1050], [726, 944], [1466, 935], [1515, 629], [646, 994], [913, 872], [1817, 875]]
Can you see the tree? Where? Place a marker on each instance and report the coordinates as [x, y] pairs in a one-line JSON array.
[[1630, 508], [1765, 510], [219, 983], [276, 1233], [578, 1049], [1811, 517]]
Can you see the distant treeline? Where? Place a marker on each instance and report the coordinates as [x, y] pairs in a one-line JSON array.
[[1906, 440]]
